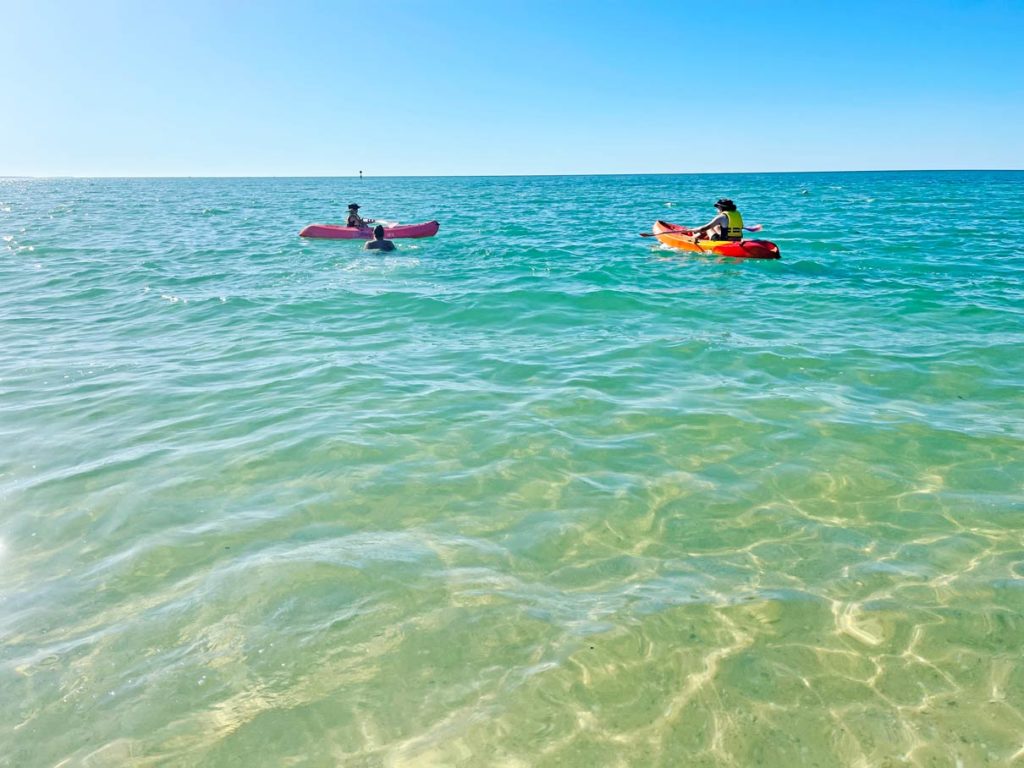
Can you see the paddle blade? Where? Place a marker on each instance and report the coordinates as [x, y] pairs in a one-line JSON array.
[[755, 228]]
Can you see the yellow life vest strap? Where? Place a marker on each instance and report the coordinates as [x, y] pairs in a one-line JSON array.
[[735, 226]]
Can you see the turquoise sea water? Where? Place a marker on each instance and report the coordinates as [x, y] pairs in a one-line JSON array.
[[535, 492]]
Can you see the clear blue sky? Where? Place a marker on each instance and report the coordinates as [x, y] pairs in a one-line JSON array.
[[200, 87]]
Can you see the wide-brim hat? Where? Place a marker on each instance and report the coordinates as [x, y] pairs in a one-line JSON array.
[[353, 206], [725, 204]]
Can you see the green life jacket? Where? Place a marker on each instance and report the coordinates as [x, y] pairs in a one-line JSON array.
[[735, 231]]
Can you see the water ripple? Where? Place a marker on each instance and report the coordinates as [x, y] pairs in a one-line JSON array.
[[533, 492]]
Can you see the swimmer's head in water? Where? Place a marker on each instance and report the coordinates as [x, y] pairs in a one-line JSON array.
[[378, 232]]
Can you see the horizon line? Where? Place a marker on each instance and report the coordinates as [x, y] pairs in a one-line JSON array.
[[514, 175]]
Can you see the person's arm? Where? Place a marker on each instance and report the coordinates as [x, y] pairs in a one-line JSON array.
[[719, 221]]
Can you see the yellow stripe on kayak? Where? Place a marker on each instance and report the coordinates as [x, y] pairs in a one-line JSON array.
[[684, 242]]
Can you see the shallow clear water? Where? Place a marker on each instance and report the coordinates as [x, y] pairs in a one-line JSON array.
[[531, 493]]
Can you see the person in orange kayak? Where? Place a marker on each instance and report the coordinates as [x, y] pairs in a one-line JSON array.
[[354, 219], [727, 225]]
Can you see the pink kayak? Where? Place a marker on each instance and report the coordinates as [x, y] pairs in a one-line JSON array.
[[338, 232]]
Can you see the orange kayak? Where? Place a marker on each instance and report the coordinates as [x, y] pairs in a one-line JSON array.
[[679, 237]]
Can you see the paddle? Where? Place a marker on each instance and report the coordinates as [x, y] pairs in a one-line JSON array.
[[755, 228], [667, 232]]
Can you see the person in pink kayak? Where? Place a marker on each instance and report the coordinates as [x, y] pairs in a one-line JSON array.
[[727, 225], [354, 219]]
